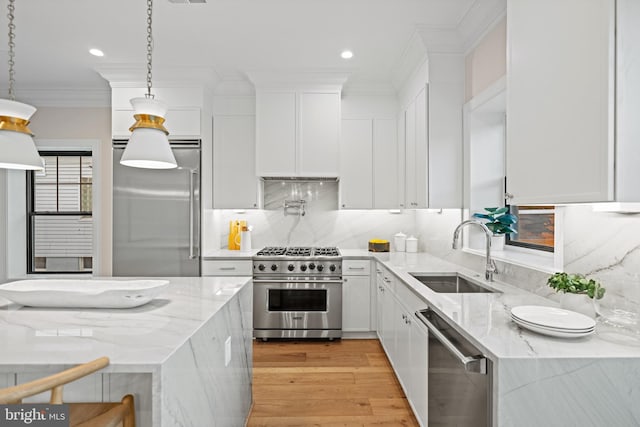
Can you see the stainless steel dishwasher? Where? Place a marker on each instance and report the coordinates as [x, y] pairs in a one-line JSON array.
[[459, 377]]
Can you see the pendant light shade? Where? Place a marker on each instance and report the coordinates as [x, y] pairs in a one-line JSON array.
[[17, 149], [148, 146]]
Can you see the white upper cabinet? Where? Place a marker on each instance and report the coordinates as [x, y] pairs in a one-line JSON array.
[[183, 118], [276, 134], [561, 100], [385, 164], [368, 164], [235, 185], [297, 133], [319, 137], [356, 160]]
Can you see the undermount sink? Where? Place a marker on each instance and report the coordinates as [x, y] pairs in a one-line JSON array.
[[451, 284]]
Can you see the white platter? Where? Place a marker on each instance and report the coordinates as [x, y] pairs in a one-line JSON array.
[[524, 322], [552, 317], [551, 332], [77, 293]]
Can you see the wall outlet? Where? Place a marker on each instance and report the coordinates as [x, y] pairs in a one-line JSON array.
[[227, 351]]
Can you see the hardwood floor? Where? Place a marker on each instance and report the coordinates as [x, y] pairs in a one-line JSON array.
[[344, 383]]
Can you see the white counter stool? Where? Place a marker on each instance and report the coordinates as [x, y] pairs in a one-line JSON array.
[[99, 414]]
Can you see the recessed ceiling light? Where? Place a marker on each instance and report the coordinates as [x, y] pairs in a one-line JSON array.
[[96, 52], [346, 54]]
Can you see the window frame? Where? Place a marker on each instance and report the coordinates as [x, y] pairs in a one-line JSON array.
[[533, 246], [31, 213]]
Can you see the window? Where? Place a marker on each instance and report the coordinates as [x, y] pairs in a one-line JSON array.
[[59, 214], [535, 227]]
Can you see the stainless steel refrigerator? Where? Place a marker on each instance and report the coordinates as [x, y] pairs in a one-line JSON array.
[[156, 215]]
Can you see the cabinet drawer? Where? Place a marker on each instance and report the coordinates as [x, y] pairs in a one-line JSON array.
[[353, 267], [227, 268]]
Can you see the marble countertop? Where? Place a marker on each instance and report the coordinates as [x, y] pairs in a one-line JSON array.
[[137, 339], [485, 318]]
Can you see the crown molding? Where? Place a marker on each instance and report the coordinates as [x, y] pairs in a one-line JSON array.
[[414, 54], [440, 39], [134, 75], [479, 20], [67, 97], [298, 79]]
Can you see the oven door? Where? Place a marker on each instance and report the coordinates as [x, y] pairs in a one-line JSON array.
[[296, 305]]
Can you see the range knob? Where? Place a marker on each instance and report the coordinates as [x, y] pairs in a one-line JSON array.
[[312, 266], [290, 267], [320, 267], [261, 267], [274, 267], [303, 267], [332, 267]]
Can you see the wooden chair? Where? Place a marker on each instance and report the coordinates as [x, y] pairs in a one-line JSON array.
[[108, 414]]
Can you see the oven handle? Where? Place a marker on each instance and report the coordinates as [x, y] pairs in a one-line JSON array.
[[328, 282], [477, 364]]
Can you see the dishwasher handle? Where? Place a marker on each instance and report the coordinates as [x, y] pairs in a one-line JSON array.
[[475, 364]]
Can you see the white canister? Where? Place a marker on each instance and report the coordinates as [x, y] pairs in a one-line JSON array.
[[412, 244], [245, 241], [399, 241]]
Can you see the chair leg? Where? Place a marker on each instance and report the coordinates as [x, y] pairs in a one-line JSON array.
[[130, 417]]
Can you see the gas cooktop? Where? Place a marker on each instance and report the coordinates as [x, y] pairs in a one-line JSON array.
[[298, 251]]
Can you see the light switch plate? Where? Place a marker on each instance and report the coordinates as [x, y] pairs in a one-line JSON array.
[[227, 351]]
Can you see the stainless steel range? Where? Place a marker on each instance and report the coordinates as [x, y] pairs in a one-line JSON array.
[[297, 293]]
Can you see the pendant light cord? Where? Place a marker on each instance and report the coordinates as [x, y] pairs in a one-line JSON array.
[[12, 46], [149, 45]]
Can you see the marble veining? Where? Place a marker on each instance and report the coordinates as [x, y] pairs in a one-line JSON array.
[[169, 352]]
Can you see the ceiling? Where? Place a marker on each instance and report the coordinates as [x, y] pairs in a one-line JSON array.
[[228, 37]]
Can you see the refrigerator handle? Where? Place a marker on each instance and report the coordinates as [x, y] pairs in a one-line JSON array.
[[192, 174]]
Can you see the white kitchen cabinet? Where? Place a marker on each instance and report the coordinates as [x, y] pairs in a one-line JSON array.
[[356, 296], [235, 185], [297, 133], [385, 313], [416, 153], [227, 267], [385, 164], [561, 101], [368, 164], [356, 164], [419, 338]]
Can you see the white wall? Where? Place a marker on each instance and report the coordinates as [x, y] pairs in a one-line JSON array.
[[487, 62], [65, 125], [3, 226]]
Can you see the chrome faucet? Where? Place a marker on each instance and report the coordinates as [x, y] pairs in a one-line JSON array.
[[490, 268]]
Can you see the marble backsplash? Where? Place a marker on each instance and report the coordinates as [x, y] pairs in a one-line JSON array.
[[601, 245]]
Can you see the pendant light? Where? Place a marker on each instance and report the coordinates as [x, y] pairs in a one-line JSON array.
[[149, 146], [17, 149]]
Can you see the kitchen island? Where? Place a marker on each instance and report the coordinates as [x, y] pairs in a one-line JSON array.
[[186, 355]]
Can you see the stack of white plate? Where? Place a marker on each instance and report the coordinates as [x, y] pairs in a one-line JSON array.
[[555, 322]]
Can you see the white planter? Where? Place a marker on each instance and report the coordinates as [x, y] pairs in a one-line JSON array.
[[497, 242], [580, 303]]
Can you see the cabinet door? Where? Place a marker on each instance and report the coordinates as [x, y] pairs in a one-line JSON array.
[[235, 185], [388, 320], [356, 304], [276, 134], [356, 184], [379, 307], [401, 361], [419, 337], [411, 192], [560, 94], [421, 158], [385, 164], [319, 134]]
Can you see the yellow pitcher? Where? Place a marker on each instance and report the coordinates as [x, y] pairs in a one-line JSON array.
[[235, 228]]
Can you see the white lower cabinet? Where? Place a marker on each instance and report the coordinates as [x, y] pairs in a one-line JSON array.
[[356, 296], [227, 267], [404, 338]]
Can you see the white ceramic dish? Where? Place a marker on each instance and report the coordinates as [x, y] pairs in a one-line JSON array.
[[75, 293], [551, 332], [520, 321], [552, 317]]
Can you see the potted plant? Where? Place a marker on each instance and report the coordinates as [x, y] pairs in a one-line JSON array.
[[579, 293], [500, 222]]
